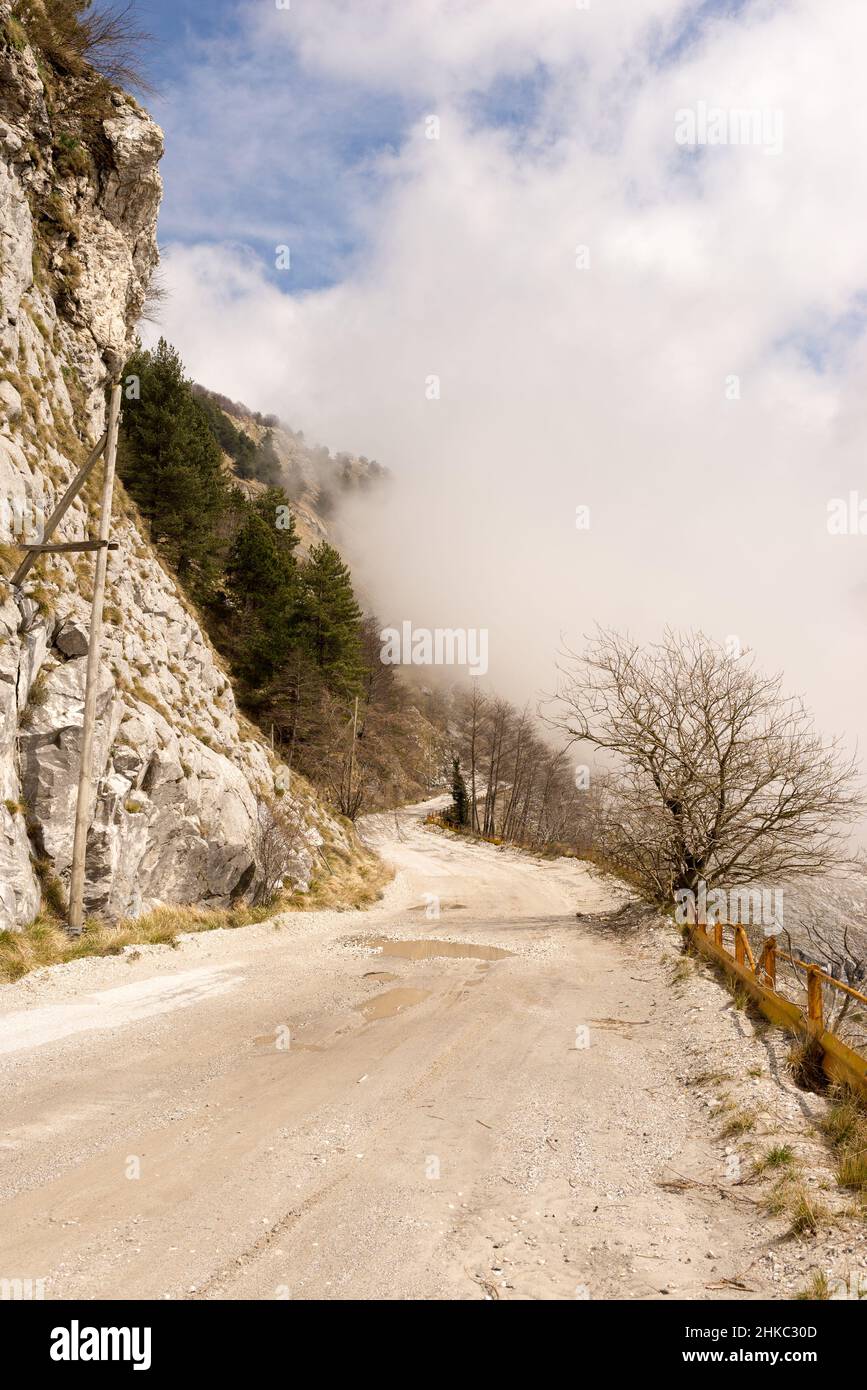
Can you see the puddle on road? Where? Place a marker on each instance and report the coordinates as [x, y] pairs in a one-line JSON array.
[[445, 906], [391, 1002], [268, 1046], [426, 950], [394, 1001]]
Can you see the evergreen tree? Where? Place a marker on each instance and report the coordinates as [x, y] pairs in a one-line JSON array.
[[234, 442], [265, 463], [460, 807], [275, 510], [261, 586], [332, 620], [171, 464], [242, 452]]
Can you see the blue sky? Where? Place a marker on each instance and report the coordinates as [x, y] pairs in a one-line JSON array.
[[286, 159], [261, 151]]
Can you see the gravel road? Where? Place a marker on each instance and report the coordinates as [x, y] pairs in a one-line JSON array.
[[305, 1109]]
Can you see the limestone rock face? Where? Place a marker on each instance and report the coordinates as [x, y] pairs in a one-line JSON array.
[[179, 776]]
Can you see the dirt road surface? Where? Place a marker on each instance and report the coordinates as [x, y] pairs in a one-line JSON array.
[[293, 1111]]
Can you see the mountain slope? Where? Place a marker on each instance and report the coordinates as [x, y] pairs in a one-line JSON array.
[[315, 480]]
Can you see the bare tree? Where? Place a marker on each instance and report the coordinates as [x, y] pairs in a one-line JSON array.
[[277, 837], [718, 775], [476, 713], [522, 790], [502, 716], [157, 295]]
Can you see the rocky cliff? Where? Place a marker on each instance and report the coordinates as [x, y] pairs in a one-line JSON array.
[[182, 777]]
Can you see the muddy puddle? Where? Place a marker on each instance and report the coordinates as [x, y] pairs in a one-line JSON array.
[[268, 1045], [391, 1002], [427, 950]]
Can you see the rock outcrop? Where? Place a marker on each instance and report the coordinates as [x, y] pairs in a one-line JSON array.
[[182, 778]]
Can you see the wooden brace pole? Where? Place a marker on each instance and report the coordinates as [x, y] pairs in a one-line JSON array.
[[60, 511], [70, 547], [85, 774]]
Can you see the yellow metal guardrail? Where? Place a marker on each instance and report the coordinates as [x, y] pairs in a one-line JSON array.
[[759, 978]]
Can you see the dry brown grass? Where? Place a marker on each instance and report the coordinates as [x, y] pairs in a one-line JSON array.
[[346, 881], [805, 1065], [739, 1122], [845, 1126], [792, 1198], [807, 1212], [45, 942], [343, 882], [10, 558], [817, 1289]]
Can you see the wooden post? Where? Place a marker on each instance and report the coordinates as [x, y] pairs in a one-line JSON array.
[[352, 758], [60, 511], [770, 958], [740, 954], [814, 995], [718, 933], [85, 772]]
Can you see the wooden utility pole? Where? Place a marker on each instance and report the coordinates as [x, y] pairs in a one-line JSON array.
[[85, 774], [352, 759]]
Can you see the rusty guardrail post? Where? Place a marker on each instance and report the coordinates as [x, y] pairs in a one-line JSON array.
[[814, 995], [769, 956]]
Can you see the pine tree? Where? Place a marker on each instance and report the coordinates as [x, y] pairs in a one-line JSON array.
[[266, 463], [261, 586], [234, 442], [460, 807], [171, 464], [332, 620], [271, 506]]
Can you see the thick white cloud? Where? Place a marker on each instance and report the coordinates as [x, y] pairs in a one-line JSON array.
[[604, 386], [448, 45]]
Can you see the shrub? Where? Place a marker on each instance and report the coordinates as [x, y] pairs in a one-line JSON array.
[[276, 839], [70, 156], [74, 39]]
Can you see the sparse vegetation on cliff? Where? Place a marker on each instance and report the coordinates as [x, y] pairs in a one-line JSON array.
[[77, 41]]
